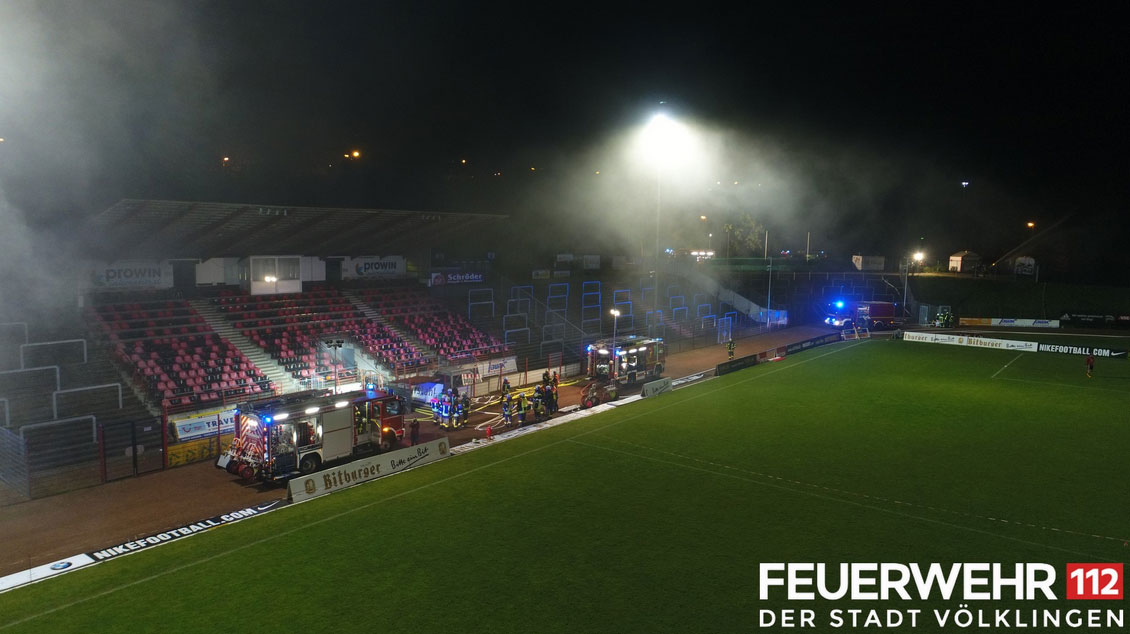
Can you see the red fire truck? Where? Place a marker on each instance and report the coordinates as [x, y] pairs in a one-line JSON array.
[[280, 437], [872, 315], [639, 359]]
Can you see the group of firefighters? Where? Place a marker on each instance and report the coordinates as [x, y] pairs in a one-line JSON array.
[[450, 410]]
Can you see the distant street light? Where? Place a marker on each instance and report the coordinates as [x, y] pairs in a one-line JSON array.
[[615, 322], [1031, 225]]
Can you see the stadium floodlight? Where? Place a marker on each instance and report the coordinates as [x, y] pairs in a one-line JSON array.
[[919, 256], [615, 322]]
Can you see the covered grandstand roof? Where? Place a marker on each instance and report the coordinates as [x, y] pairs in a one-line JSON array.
[[167, 229]]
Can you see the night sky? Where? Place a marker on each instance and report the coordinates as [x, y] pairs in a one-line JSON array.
[[858, 122]]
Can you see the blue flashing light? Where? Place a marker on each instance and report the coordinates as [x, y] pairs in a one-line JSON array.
[[589, 348], [267, 419], [840, 304]]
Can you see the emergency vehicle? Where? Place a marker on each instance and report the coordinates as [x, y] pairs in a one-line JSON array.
[[634, 359], [872, 315], [280, 437]]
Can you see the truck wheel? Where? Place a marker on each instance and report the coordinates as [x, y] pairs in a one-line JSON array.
[[388, 441], [310, 464], [587, 403], [233, 467], [247, 472]]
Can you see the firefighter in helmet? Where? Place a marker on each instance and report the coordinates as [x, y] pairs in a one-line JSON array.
[[522, 405], [730, 345], [507, 406]]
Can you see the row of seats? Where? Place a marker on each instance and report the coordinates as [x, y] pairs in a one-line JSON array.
[[450, 335], [189, 365]]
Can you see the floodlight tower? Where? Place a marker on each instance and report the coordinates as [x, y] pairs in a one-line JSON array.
[[663, 139], [615, 322]]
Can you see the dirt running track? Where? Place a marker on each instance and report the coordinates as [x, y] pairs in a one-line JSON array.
[[45, 530]]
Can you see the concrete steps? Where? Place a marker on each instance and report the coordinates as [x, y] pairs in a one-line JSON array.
[[224, 328], [373, 315]]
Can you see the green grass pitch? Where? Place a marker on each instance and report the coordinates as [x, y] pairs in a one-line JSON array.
[[655, 516]]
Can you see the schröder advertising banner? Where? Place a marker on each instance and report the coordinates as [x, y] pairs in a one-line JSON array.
[[374, 266], [133, 274], [440, 279], [358, 471], [201, 424], [975, 342]]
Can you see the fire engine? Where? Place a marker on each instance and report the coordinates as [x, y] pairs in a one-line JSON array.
[[279, 437], [639, 359], [873, 315]]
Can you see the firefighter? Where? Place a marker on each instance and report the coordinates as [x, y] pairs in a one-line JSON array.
[[435, 411], [730, 345], [556, 380], [466, 407], [553, 400], [505, 387], [522, 405], [506, 408], [545, 377]]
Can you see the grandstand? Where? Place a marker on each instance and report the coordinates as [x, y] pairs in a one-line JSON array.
[[219, 303]]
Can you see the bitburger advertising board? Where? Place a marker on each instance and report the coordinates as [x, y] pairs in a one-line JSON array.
[[358, 471]]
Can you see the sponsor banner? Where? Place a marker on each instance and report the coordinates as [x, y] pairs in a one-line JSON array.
[[358, 471], [564, 258], [794, 348], [974, 321], [975, 342], [440, 279], [374, 266], [591, 262], [562, 273], [38, 573], [157, 539], [199, 425], [737, 364], [490, 367], [1084, 319], [657, 387], [540, 274], [134, 274], [1082, 350], [1027, 323]]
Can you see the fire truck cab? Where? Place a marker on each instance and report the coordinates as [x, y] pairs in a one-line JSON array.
[[873, 315], [280, 437], [632, 360]]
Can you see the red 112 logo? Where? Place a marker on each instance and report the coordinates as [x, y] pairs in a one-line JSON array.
[[1094, 581]]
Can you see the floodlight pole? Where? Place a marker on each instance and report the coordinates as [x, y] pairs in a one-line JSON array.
[[905, 281], [615, 360], [769, 298], [658, 253]]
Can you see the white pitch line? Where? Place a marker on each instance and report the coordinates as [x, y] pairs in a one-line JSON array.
[[1006, 365], [355, 509], [843, 501]]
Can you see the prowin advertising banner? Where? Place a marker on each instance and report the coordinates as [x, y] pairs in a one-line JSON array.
[[358, 471], [201, 424], [367, 267], [975, 342], [1082, 350], [133, 274]]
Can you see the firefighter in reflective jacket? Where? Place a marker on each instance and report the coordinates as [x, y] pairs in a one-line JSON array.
[[506, 410], [522, 405], [730, 348], [465, 407]]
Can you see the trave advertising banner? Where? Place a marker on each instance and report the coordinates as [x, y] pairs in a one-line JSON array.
[[201, 424]]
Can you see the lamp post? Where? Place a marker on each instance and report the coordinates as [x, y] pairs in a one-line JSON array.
[[335, 345], [918, 257], [615, 360], [663, 139]]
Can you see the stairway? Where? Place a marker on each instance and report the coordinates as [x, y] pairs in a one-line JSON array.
[[280, 377], [373, 315]]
